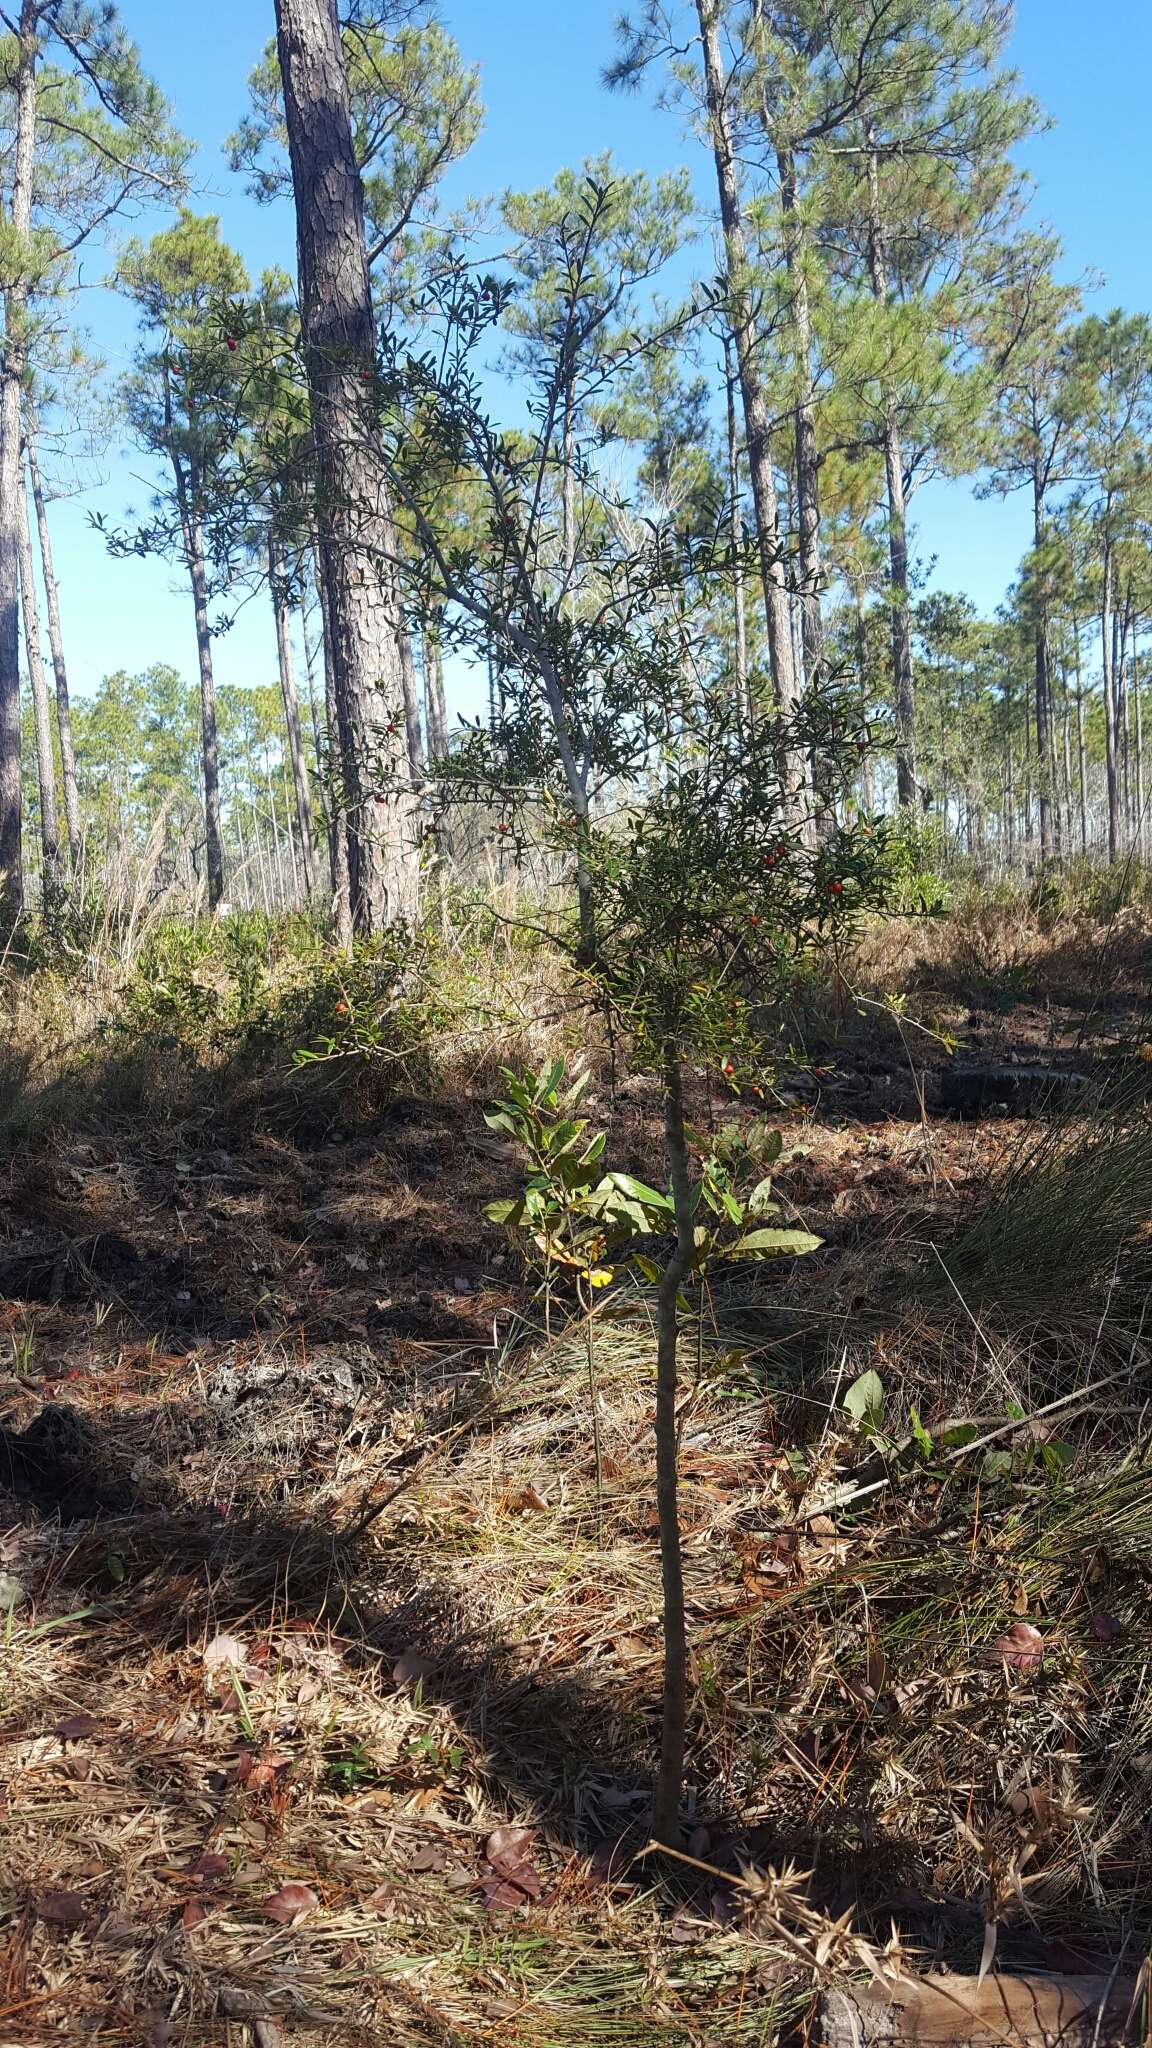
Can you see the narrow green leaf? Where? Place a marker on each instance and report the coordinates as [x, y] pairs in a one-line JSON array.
[[764, 1244]]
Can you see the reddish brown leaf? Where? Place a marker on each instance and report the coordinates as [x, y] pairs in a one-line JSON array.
[[1106, 1628], [610, 1861], [243, 1767], [506, 1845], [210, 1865], [192, 1915], [428, 1855], [501, 1896], [157, 2030], [289, 1903], [1021, 1648], [62, 1909], [267, 1771], [75, 1728]]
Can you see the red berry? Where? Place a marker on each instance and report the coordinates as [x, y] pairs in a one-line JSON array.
[[729, 1068], [835, 888], [232, 341], [753, 920], [341, 1009]]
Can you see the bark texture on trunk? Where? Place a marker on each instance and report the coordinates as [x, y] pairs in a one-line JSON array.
[[55, 642], [413, 737], [756, 422], [903, 673], [736, 537], [341, 880], [1111, 752], [209, 742], [807, 460], [41, 707], [301, 785], [12, 362], [357, 540], [435, 708], [1043, 685]]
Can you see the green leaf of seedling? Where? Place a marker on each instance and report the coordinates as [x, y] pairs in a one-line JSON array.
[[923, 1440], [864, 1400], [506, 1212], [641, 1192], [647, 1267], [760, 1201], [954, 1439], [767, 1244], [1057, 1457]]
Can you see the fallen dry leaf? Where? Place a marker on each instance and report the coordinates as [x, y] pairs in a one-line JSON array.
[[411, 1666], [76, 1727], [506, 1849], [223, 1650], [1106, 1628], [118, 1930], [192, 1915], [529, 1498], [210, 1865], [62, 1909], [289, 1903], [501, 1895], [1021, 1648], [507, 1845]]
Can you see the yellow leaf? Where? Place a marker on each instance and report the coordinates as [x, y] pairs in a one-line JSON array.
[[600, 1276]]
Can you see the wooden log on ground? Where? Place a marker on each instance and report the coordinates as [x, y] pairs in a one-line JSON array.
[[1031, 2011]]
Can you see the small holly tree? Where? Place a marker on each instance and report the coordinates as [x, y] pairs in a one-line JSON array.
[[707, 897]]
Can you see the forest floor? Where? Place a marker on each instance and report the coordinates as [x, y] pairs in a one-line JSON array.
[[329, 1689]]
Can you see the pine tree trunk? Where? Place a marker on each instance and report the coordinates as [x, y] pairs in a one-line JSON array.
[[435, 710], [670, 1778], [1040, 639], [22, 87], [41, 711], [867, 776], [300, 782], [1141, 834], [807, 461], [55, 642], [357, 538], [736, 536], [903, 673], [209, 741], [341, 877], [756, 426], [320, 744], [412, 735], [568, 498], [1107, 660], [1081, 745]]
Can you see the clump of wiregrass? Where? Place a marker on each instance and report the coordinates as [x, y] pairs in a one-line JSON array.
[[1064, 1225]]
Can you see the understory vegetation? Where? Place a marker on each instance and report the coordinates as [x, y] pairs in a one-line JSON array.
[[333, 1655], [575, 1175]]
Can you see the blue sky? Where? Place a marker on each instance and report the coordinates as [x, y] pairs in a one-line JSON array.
[[540, 65]]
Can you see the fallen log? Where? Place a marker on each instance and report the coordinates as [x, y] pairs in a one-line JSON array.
[[1028, 2012]]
